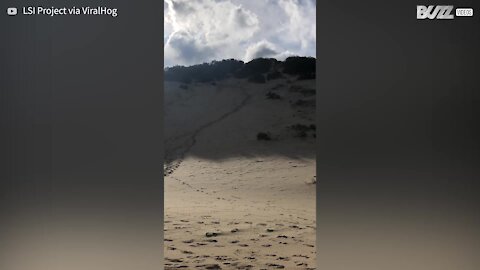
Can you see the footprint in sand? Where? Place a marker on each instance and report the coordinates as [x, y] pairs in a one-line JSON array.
[[198, 245], [242, 266], [174, 260], [211, 234], [176, 267], [301, 256], [210, 266], [211, 241], [276, 266]]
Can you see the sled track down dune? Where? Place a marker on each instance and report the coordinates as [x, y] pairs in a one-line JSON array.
[[175, 156]]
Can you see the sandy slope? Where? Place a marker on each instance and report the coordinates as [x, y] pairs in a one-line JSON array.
[[231, 201]]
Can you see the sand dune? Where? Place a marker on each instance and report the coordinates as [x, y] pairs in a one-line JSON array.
[[232, 201]]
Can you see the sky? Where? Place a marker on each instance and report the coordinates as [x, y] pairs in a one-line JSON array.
[[199, 31]]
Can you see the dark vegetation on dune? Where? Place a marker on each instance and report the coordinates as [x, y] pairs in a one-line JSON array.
[[271, 95], [302, 131], [264, 136], [258, 70], [289, 94]]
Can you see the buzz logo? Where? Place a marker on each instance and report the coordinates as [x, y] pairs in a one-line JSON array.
[[434, 12]]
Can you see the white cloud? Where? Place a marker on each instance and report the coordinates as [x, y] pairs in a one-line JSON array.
[[302, 23], [265, 49], [199, 31], [260, 49], [184, 48]]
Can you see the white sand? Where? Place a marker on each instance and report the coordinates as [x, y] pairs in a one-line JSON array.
[[254, 196]]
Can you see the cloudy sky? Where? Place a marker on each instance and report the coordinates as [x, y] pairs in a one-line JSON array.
[[198, 31]]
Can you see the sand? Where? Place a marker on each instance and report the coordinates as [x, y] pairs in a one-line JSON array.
[[232, 201]]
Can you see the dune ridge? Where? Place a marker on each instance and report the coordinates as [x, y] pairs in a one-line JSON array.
[[235, 199]]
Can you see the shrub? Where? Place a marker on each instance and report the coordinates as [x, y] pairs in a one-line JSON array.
[[304, 103], [264, 136], [302, 134], [256, 66], [296, 65], [206, 72], [304, 67], [302, 127], [271, 95], [302, 130]]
